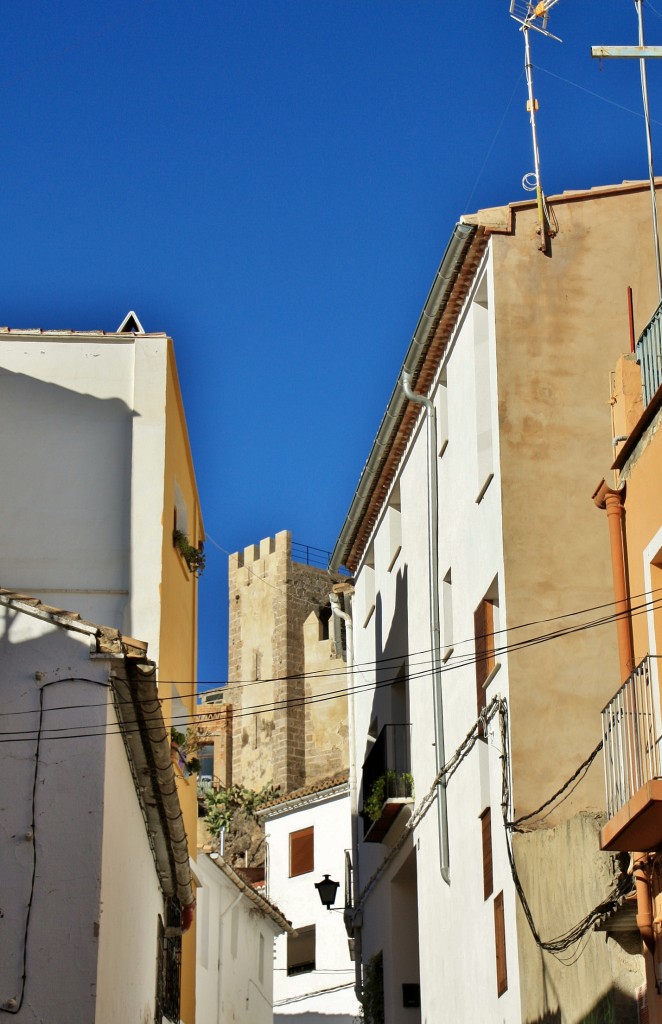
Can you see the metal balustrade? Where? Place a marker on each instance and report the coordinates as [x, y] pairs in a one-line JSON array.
[[388, 764], [631, 738], [649, 356]]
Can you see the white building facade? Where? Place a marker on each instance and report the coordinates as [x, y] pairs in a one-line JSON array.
[[308, 832], [398, 724], [467, 537], [236, 931], [93, 851]]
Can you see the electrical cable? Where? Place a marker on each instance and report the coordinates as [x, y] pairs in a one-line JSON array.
[[596, 95], [454, 661], [299, 700], [18, 1003], [568, 939], [571, 937]]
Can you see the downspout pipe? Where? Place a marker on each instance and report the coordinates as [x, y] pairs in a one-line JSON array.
[[353, 787], [435, 632], [644, 908], [606, 497]]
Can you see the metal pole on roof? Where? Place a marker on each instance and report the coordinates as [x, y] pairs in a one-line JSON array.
[[642, 53], [534, 15], [649, 146]]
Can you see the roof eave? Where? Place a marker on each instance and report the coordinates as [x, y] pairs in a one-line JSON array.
[[398, 420]]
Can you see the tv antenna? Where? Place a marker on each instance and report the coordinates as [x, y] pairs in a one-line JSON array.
[[642, 52], [534, 16]]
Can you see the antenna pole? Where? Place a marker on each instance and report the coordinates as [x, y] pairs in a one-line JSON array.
[[528, 67], [641, 53], [649, 144]]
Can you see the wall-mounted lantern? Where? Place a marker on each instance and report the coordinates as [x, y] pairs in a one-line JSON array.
[[327, 889]]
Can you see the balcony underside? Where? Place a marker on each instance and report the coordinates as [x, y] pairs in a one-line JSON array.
[[390, 811], [638, 824]]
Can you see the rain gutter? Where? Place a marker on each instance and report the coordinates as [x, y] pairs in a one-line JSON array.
[[436, 301], [147, 742]]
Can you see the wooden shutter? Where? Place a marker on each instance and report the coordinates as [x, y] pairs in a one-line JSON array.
[[500, 945], [302, 853], [484, 639], [486, 827]]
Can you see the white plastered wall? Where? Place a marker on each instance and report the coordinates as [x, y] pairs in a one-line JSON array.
[[333, 978], [456, 925], [83, 477], [234, 970], [131, 898]]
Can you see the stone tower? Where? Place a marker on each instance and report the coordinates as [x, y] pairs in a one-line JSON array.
[[282, 656]]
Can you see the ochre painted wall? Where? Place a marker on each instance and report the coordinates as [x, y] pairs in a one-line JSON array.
[[561, 321], [178, 636]]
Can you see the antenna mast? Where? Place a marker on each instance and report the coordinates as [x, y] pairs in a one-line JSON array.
[[642, 53], [531, 15]]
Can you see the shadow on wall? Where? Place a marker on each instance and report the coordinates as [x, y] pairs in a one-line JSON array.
[[615, 1007], [66, 477], [390, 703]]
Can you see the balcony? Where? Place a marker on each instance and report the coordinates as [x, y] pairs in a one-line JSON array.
[[387, 782], [631, 748], [649, 356]]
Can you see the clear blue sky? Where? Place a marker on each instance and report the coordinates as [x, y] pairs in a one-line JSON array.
[[273, 183]]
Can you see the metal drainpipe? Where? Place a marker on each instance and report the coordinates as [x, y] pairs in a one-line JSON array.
[[435, 632], [353, 788], [606, 497]]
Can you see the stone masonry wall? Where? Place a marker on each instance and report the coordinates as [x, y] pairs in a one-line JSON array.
[[280, 737]]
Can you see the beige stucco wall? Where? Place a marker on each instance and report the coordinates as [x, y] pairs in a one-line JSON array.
[[565, 875], [560, 324]]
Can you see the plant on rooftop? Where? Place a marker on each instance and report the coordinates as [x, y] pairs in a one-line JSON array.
[[183, 748], [223, 804], [195, 558]]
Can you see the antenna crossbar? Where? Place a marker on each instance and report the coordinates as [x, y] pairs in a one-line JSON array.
[[533, 15]]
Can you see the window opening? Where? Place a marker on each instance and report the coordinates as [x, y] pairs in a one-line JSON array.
[[302, 851], [301, 951]]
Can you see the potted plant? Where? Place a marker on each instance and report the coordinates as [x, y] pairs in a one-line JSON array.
[[194, 557], [390, 784]]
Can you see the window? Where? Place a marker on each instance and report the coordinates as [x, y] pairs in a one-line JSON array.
[[500, 945], [260, 960], [301, 951], [393, 528], [484, 637], [168, 961], [302, 852], [181, 512], [447, 608], [486, 832], [442, 413], [366, 595], [482, 371], [324, 617]]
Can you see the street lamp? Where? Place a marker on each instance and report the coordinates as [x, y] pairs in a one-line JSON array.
[[327, 889]]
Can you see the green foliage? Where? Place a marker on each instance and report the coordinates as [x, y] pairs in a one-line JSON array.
[[194, 557], [372, 1001], [391, 784], [223, 804], [185, 745]]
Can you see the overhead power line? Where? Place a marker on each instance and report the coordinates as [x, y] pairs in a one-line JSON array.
[[299, 700]]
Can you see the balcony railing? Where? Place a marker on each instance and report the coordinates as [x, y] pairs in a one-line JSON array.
[[386, 777], [631, 736], [649, 356]]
